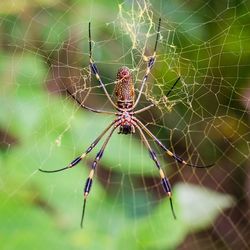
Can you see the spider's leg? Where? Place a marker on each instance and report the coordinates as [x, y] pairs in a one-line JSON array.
[[151, 62], [164, 180], [89, 180], [152, 104], [177, 80], [143, 109], [176, 157], [88, 108], [95, 70], [79, 158]]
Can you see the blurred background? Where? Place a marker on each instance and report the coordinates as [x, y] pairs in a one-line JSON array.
[[205, 120]]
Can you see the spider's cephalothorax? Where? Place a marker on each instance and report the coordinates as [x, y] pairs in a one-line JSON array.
[[124, 91]]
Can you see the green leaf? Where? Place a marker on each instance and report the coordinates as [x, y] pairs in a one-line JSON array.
[[196, 208], [200, 206]]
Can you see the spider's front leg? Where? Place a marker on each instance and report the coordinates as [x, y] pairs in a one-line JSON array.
[[95, 70], [151, 63]]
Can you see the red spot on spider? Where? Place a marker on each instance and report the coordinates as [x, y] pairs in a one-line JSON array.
[[123, 73]]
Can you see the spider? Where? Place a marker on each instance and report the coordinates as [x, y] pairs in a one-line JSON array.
[[125, 121]]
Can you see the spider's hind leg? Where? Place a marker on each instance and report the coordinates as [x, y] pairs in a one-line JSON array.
[[167, 151], [79, 158], [89, 180], [164, 180]]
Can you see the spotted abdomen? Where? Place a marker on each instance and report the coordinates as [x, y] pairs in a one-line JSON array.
[[124, 89]]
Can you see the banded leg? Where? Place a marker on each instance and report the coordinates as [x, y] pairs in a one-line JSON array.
[[150, 65], [89, 180], [164, 180], [79, 158], [176, 157], [88, 108], [95, 70]]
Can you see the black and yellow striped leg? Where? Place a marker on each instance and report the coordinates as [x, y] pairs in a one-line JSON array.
[[176, 157], [164, 180], [89, 180], [95, 70], [151, 62], [79, 158]]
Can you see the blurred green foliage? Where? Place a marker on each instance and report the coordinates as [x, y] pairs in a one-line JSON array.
[[45, 130], [29, 219]]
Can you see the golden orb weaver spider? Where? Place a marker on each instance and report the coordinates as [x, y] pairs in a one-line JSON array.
[[125, 121]]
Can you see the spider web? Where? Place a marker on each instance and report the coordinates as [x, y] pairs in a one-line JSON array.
[[204, 120]]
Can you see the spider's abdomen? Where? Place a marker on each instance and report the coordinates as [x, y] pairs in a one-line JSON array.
[[124, 89]]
